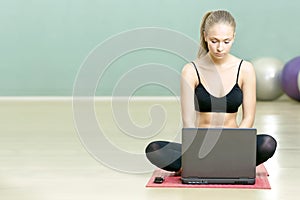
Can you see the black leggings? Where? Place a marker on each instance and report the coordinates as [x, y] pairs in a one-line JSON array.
[[164, 157]]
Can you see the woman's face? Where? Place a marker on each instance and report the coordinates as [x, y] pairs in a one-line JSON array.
[[219, 40]]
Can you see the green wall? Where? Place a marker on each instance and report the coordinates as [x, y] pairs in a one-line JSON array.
[[44, 42]]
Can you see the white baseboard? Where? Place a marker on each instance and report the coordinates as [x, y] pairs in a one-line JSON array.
[[96, 98]]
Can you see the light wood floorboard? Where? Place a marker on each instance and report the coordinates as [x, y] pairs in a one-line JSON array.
[[42, 157]]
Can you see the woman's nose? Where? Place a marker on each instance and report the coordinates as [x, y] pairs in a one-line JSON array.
[[220, 47]]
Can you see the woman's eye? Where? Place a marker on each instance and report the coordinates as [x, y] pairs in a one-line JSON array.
[[227, 42], [214, 41]]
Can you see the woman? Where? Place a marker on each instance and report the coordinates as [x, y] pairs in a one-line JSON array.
[[212, 89]]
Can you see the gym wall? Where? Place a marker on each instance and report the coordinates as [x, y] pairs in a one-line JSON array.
[[44, 42]]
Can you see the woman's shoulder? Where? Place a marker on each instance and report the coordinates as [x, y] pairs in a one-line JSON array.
[[188, 68], [247, 71], [189, 73], [245, 64]]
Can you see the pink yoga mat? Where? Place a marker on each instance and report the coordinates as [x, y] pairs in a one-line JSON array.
[[171, 181]]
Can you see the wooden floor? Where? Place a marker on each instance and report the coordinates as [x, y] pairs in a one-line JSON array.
[[42, 157]]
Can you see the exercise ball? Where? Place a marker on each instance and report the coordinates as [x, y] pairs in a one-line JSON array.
[[290, 78], [268, 72], [299, 82]]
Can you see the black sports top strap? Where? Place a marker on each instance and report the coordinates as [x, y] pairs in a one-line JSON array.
[[197, 72], [237, 77]]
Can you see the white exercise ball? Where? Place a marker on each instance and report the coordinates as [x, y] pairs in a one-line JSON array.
[[268, 86]]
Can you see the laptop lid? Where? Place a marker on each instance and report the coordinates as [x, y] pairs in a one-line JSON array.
[[218, 155]]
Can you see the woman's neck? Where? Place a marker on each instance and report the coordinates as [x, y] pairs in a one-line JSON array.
[[219, 62]]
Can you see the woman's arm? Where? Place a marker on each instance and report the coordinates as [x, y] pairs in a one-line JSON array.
[[249, 95], [187, 87]]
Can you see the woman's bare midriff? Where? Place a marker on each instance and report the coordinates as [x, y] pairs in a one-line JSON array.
[[216, 120]]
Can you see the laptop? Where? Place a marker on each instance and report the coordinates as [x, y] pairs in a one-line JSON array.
[[218, 156]]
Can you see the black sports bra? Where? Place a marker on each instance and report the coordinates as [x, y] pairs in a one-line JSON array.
[[205, 102]]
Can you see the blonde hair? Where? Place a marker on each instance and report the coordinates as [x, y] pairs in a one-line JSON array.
[[209, 19]]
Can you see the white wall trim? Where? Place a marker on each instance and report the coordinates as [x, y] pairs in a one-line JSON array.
[[97, 98]]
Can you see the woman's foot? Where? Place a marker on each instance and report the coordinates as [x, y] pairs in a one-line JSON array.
[[178, 173]]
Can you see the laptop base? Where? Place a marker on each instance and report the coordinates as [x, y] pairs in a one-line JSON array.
[[203, 181]]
